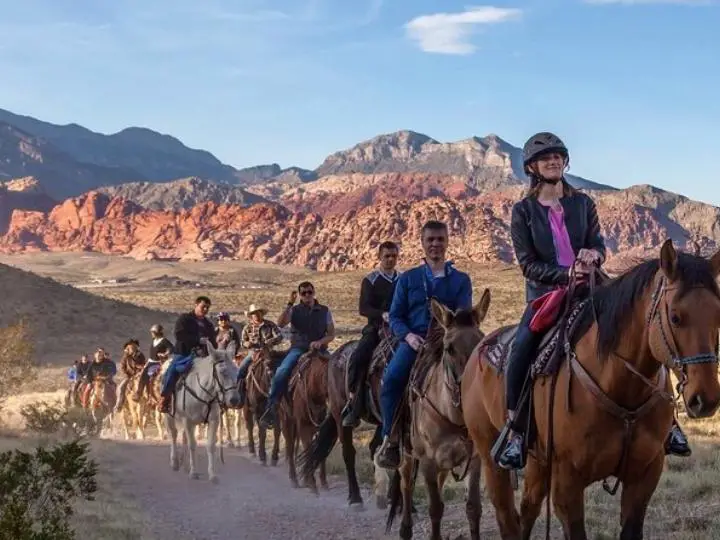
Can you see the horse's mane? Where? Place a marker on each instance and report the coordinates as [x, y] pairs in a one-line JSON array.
[[432, 353], [614, 301]]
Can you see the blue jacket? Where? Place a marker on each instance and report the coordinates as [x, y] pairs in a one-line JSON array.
[[410, 309]]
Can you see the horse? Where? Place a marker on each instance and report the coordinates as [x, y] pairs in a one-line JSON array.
[[437, 442], [101, 400], [198, 397], [134, 413], [257, 382], [327, 434], [606, 407], [302, 410]]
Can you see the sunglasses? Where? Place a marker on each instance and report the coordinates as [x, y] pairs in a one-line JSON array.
[[307, 293]]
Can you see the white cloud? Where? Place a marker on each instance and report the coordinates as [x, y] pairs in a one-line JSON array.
[[449, 33], [647, 2]]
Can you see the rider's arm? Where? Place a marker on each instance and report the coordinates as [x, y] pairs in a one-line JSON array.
[[330, 332], [399, 309], [365, 305], [464, 298], [532, 268], [276, 336], [245, 337], [594, 239], [284, 318]]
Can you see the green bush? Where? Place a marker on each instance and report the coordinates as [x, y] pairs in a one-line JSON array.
[[37, 491]]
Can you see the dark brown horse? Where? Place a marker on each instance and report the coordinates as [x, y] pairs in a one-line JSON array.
[[257, 382], [327, 434], [303, 409], [437, 442], [607, 409]]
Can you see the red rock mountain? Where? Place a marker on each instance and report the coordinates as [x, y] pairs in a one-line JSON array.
[[331, 218]]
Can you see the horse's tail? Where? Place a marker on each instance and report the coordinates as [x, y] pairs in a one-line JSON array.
[[319, 448], [395, 494]]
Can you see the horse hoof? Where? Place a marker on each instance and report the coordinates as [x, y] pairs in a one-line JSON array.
[[405, 531], [325, 487], [214, 480], [175, 466], [357, 506], [194, 476], [263, 462], [251, 451], [294, 483], [381, 502], [231, 444], [274, 462]]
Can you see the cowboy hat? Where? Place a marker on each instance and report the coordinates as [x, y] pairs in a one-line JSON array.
[[254, 308]]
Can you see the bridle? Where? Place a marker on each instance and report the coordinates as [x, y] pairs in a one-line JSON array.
[[215, 395]]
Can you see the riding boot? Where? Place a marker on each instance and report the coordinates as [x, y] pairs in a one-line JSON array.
[[269, 417], [676, 442], [388, 455], [353, 410], [513, 455]]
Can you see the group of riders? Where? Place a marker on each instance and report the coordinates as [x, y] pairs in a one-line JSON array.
[[555, 234]]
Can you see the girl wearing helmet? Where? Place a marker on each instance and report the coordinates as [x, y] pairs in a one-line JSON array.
[[553, 228]]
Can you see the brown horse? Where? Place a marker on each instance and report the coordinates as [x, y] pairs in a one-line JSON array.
[[438, 442], [257, 382], [327, 434], [303, 409], [607, 408], [101, 400]]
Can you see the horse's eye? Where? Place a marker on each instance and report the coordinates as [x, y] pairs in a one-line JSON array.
[[450, 349], [675, 319]]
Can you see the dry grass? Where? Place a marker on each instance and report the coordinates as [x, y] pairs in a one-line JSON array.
[[685, 505], [110, 516]]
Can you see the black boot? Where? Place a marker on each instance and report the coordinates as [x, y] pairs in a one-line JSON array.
[[676, 443], [513, 455], [269, 418], [352, 412], [388, 455]]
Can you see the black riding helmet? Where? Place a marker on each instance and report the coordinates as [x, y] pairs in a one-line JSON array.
[[538, 145]]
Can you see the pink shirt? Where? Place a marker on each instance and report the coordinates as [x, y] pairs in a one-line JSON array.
[[563, 247]]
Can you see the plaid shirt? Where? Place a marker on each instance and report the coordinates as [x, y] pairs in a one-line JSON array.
[[266, 333]]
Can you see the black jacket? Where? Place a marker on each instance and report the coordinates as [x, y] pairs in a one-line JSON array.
[[188, 331], [376, 294], [533, 241]]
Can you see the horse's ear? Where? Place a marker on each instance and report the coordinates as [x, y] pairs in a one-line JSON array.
[[715, 262], [481, 308], [441, 313], [668, 260], [231, 350], [209, 346]]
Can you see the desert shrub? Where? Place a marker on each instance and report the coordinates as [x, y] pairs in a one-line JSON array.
[[54, 418], [38, 490], [17, 363]]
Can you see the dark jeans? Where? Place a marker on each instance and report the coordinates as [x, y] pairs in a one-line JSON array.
[[360, 359], [521, 357]]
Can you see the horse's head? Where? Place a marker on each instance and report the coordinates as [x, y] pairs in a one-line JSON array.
[[686, 309], [462, 332], [224, 374]]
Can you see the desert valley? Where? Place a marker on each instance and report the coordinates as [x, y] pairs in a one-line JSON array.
[[102, 236]]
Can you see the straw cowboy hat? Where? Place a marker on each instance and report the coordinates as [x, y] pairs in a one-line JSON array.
[[255, 308]]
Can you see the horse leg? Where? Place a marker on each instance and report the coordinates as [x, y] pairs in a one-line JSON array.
[[289, 432], [635, 499], [348, 452], [433, 486], [172, 430], [499, 488], [250, 428], [406, 489], [192, 446], [159, 424], [275, 457], [473, 504], [568, 497], [534, 492], [126, 418], [306, 433], [262, 437], [382, 480], [210, 447]]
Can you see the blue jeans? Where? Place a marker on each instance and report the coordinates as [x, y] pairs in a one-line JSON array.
[[178, 365], [395, 379], [243, 367], [282, 375]]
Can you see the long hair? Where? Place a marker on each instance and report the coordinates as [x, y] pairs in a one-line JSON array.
[[535, 186]]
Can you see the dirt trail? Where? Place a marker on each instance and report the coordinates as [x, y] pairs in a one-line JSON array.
[[251, 502]]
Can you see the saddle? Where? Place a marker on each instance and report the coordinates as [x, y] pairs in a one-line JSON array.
[[497, 345], [302, 366], [425, 358]]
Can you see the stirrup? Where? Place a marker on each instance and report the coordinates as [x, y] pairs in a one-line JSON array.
[[501, 442]]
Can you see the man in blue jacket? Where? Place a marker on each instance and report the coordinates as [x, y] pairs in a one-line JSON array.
[[410, 319]]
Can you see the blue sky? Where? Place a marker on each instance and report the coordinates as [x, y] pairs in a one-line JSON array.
[[631, 85]]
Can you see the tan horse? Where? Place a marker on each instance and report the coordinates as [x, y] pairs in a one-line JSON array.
[[438, 442], [134, 413], [606, 411], [257, 383], [303, 410], [101, 401]]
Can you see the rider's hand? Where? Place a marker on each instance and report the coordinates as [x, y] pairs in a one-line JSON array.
[[316, 345], [414, 341], [386, 317], [293, 297], [588, 256], [581, 269]]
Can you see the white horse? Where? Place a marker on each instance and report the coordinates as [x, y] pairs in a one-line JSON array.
[[210, 382]]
